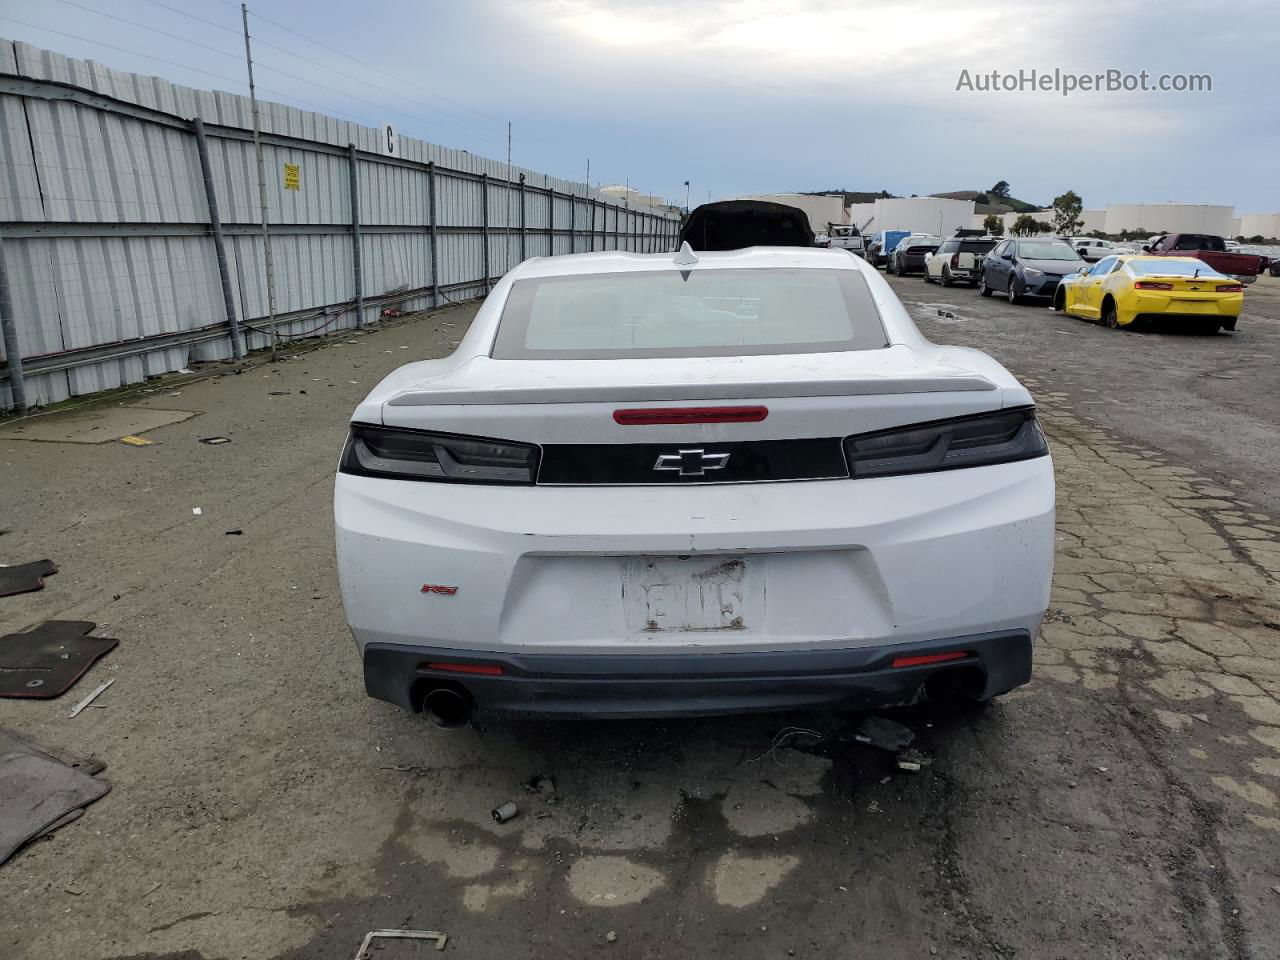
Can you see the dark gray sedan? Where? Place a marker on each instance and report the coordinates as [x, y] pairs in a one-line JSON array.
[[1024, 268], [908, 256]]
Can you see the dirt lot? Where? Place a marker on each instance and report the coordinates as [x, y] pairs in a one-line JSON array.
[[1125, 804]]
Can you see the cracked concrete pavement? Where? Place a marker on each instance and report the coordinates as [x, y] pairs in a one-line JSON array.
[[1125, 804]]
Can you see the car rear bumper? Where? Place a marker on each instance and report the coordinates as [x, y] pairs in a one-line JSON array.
[[690, 570], [697, 684], [1221, 306]]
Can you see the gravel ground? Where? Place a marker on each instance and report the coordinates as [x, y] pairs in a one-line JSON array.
[[1125, 804]]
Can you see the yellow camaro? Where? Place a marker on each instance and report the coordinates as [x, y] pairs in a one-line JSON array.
[[1124, 291]]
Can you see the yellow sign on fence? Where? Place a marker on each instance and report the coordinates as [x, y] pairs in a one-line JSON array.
[[292, 176]]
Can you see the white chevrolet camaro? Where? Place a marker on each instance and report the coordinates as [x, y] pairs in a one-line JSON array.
[[683, 484]]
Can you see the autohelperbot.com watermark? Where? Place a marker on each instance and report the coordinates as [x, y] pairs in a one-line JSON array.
[[1066, 82]]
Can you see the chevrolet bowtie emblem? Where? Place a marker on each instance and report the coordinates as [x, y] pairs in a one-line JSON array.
[[691, 463]]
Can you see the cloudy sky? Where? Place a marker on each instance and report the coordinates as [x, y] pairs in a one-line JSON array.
[[740, 97]]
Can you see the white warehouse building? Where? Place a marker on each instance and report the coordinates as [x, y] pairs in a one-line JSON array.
[[821, 209], [1008, 220], [1171, 218], [1259, 225], [1162, 218], [933, 215]]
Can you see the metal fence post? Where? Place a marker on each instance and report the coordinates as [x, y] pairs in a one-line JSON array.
[[219, 247], [9, 327], [551, 222], [484, 202], [591, 230], [617, 228], [524, 232], [573, 223], [431, 224], [357, 257]]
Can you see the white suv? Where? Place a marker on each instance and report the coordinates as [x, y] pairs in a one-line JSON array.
[[958, 260]]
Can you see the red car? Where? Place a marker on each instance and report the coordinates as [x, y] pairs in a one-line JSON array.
[[1245, 267]]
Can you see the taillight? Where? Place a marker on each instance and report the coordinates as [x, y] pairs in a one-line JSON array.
[[481, 669], [955, 259], [1152, 285], [420, 455], [1230, 287], [928, 658], [690, 415], [947, 444]]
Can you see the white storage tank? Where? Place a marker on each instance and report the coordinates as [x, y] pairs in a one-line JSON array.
[[820, 209], [1259, 225], [1170, 218], [933, 215]]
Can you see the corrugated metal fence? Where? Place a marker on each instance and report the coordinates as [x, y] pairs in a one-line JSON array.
[[111, 256]]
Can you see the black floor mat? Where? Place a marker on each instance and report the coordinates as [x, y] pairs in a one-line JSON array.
[[25, 577], [45, 662]]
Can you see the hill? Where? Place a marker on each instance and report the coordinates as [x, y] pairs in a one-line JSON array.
[[985, 203]]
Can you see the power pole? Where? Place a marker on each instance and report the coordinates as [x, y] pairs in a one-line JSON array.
[[511, 199], [262, 184]]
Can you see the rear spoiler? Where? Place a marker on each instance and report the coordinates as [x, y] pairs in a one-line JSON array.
[[552, 392]]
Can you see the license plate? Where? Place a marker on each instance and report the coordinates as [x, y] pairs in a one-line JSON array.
[[692, 594]]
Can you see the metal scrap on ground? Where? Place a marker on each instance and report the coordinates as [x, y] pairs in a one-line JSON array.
[[505, 812], [98, 690], [366, 945]]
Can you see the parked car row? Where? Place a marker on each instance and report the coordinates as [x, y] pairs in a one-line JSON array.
[[1119, 289]]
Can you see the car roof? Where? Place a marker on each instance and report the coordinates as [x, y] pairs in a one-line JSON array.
[[614, 261], [1147, 256]]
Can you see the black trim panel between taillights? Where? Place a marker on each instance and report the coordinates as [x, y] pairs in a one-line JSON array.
[[1003, 436], [693, 461]]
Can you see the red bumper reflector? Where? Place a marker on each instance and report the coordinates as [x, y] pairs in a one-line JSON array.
[[929, 658], [488, 669], [690, 415]]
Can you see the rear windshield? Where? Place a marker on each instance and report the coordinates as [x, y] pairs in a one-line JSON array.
[[977, 246], [689, 313], [1172, 268], [1198, 241], [1046, 250]]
